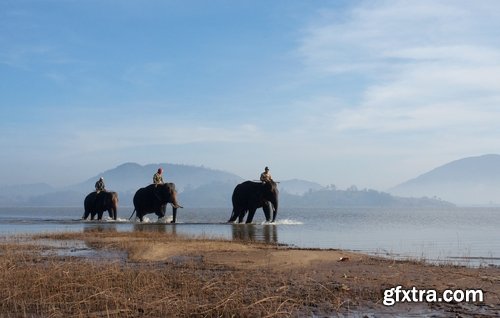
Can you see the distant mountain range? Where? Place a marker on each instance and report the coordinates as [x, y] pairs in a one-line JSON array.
[[198, 187], [131, 176], [468, 181]]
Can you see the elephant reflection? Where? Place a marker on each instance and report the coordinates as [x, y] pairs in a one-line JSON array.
[[155, 228], [101, 228], [252, 232]]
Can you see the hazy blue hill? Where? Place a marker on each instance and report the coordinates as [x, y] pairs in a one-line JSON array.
[[33, 189], [132, 176], [197, 187], [472, 180], [298, 187], [210, 195], [127, 178], [356, 198], [16, 194], [57, 198]]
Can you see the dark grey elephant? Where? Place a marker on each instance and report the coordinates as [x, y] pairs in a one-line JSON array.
[[154, 199], [249, 196], [96, 203]]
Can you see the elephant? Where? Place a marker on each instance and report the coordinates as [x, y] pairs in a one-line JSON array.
[[154, 199], [98, 202], [249, 196]]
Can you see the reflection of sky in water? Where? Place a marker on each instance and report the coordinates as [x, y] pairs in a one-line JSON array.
[[417, 233]]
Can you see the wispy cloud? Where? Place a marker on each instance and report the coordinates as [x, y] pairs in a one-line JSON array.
[[428, 64], [381, 89], [143, 135]]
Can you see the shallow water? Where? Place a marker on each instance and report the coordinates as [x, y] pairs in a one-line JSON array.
[[466, 236]]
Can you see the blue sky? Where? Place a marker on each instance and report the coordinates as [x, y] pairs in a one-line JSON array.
[[366, 93]]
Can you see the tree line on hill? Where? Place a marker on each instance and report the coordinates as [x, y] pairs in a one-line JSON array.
[[218, 194], [202, 187]]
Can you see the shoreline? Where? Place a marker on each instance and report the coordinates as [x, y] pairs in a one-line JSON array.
[[213, 277], [404, 234]]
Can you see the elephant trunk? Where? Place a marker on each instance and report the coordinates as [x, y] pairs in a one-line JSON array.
[[174, 202]]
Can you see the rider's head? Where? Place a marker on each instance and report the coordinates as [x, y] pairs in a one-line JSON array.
[[160, 170]]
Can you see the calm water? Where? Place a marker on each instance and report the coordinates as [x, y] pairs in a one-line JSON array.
[[468, 236]]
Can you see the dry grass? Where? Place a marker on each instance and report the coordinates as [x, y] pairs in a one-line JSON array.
[[203, 277], [35, 284]]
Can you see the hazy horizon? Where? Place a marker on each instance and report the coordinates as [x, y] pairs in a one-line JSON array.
[[365, 93]]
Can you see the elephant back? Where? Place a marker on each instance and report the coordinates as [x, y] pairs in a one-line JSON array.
[[154, 194], [247, 191], [145, 198], [140, 195]]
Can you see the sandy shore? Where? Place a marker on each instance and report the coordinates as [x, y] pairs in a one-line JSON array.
[[288, 281]]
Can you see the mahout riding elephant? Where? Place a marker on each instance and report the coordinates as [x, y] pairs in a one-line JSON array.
[[154, 199], [98, 202], [249, 196]]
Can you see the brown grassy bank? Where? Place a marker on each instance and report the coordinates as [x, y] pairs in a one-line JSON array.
[[162, 275]]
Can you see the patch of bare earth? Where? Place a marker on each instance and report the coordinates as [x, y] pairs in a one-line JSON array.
[[166, 275]]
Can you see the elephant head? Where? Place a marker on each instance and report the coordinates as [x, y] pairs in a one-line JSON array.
[[166, 194]]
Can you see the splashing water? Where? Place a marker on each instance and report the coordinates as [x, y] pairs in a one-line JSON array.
[[284, 222], [145, 219]]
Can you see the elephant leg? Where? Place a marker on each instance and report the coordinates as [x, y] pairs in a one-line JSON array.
[[112, 213], [251, 213], [92, 215], [241, 215], [85, 215], [99, 215], [267, 211], [234, 216], [160, 212], [174, 215], [138, 215], [163, 211]]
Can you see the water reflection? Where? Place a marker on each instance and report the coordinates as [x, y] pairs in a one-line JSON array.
[[252, 232], [155, 227], [100, 227]]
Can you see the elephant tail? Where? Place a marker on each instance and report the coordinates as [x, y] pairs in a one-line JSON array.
[[131, 215]]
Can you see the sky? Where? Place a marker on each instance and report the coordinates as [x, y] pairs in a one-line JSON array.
[[365, 93]]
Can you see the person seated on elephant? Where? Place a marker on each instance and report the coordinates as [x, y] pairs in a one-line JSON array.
[[99, 185], [157, 177], [157, 180], [266, 176]]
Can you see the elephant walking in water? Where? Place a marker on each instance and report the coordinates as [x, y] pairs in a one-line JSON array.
[[249, 196], [154, 199], [96, 203]]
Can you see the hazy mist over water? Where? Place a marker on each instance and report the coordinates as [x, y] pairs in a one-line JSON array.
[[460, 235]]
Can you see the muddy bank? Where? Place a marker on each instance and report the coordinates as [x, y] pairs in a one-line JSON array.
[[159, 274]]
